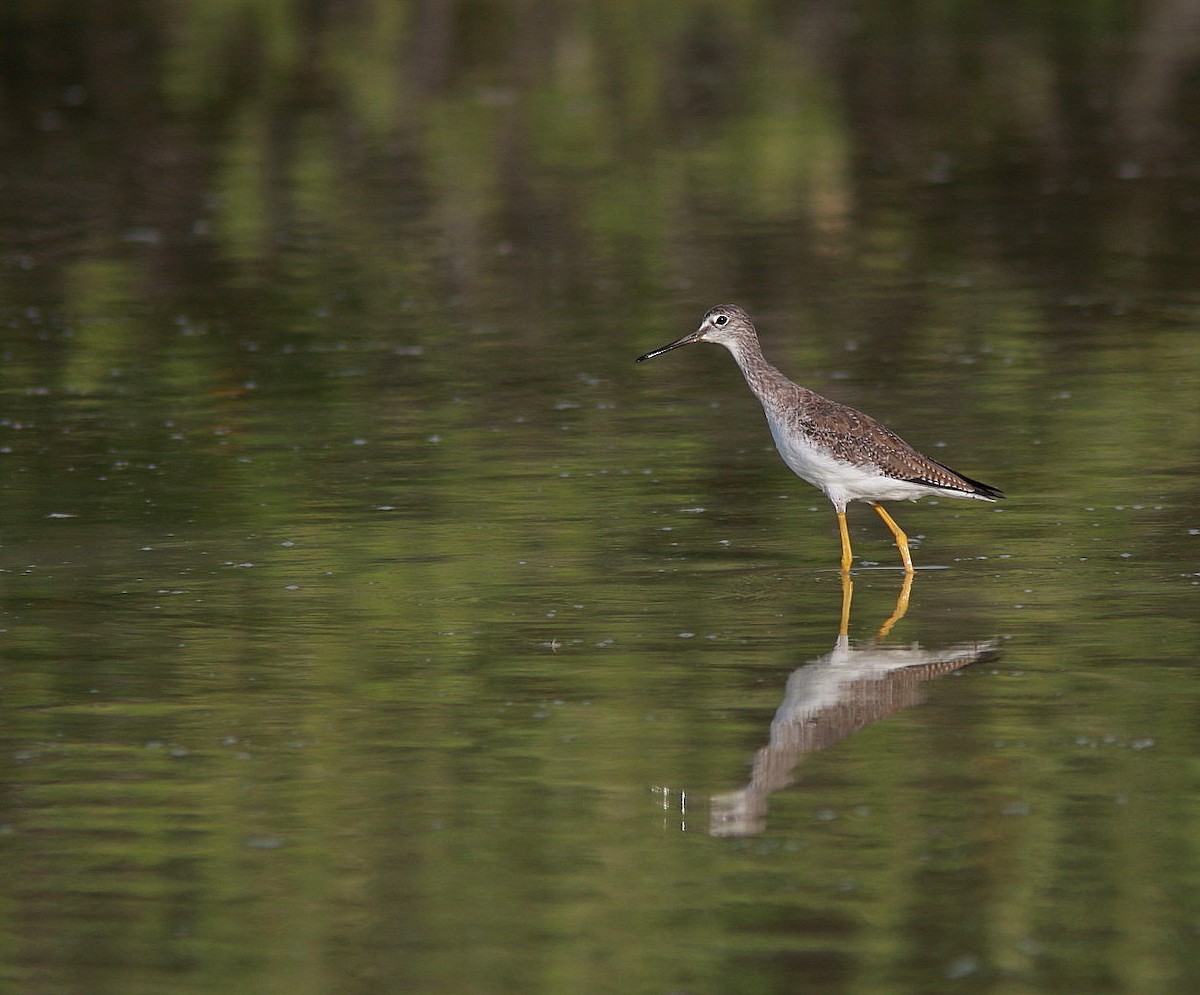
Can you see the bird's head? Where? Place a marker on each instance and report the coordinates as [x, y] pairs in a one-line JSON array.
[[724, 325]]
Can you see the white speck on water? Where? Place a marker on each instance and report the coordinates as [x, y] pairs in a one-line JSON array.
[[142, 236], [1030, 948], [962, 967]]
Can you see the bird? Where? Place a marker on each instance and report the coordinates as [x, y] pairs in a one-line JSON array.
[[844, 453]]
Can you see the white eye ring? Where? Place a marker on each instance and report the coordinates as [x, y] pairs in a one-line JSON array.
[[721, 319]]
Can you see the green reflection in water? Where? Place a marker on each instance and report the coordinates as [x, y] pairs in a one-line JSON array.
[[369, 620]]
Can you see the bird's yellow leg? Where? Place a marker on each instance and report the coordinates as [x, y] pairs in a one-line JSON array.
[[847, 557], [901, 538], [901, 607], [847, 595]]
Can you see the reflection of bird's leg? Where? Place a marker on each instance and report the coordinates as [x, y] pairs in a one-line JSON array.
[[901, 607], [847, 558], [901, 538], [847, 594]]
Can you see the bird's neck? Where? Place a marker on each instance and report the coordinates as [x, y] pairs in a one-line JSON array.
[[761, 377]]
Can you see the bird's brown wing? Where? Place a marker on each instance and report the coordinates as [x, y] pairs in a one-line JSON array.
[[857, 438]]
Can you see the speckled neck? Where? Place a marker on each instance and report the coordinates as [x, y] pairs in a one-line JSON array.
[[763, 379]]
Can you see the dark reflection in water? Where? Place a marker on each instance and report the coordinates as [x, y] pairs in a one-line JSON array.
[[830, 699]]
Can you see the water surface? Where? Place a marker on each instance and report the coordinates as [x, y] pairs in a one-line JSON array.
[[369, 621]]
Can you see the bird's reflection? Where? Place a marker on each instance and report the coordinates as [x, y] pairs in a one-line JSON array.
[[830, 699]]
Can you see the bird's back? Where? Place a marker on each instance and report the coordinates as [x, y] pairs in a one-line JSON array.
[[820, 438]]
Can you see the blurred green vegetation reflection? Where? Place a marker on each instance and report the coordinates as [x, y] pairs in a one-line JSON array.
[[369, 622]]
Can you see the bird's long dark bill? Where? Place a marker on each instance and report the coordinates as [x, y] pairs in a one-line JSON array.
[[686, 340]]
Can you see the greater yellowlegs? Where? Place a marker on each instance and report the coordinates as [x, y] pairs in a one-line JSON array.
[[848, 455]]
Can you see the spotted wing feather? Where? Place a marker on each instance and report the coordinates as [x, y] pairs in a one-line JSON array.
[[857, 438]]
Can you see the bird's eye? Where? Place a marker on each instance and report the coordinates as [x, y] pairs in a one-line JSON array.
[[721, 320]]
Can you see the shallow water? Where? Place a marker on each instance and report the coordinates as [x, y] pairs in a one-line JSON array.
[[369, 621]]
